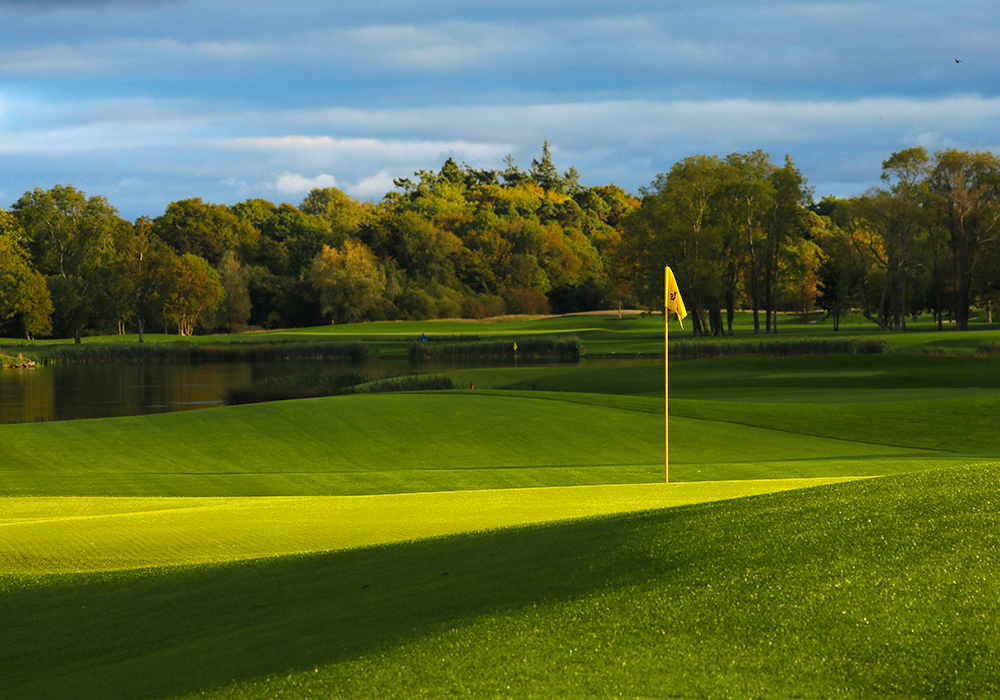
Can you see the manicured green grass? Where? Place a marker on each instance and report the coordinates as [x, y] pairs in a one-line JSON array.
[[417, 545], [876, 588], [368, 444], [73, 534], [357, 444]]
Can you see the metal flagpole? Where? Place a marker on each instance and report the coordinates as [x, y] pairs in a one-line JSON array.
[[671, 300], [666, 378]]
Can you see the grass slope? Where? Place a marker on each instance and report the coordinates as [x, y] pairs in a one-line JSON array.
[[356, 445], [952, 425], [875, 588], [335, 446]]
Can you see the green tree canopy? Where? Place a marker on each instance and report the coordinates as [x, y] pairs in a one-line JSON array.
[[71, 237], [349, 280], [23, 292], [205, 229]]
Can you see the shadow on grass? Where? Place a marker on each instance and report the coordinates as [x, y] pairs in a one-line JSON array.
[[160, 633], [876, 588]]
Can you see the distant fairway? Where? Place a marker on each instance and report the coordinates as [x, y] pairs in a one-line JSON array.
[[830, 531]]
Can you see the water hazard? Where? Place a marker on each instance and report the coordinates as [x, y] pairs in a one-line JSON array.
[[69, 392]]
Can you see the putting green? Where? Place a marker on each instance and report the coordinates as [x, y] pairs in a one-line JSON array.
[[47, 535]]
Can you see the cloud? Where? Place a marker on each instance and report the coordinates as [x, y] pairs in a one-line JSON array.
[[226, 99], [292, 183], [374, 187], [329, 147], [56, 4]]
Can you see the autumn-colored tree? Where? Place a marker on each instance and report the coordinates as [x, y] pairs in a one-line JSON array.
[[349, 281], [194, 292]]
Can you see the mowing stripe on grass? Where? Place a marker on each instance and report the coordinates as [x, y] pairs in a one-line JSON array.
[[48, 535], [880, 588]]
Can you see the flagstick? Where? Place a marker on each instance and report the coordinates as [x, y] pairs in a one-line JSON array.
[[671, 300], [666, 396]]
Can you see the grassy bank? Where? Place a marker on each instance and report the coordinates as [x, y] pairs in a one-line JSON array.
[[365, 444], [830, 592], [599, 335]]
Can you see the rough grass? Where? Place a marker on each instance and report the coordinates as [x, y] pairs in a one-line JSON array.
[[877, 588]]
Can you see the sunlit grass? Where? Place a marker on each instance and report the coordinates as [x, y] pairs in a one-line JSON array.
[[877, 588], [49, 535], [448, 573]]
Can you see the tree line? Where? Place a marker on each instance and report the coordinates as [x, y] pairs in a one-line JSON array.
[[739, 232], [742, 232]]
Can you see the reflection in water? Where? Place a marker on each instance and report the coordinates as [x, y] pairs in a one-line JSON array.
[[67, 392]]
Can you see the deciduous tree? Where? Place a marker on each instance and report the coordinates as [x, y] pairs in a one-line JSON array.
[[23, 292], [195, 291], [72, 242], [349, 281]]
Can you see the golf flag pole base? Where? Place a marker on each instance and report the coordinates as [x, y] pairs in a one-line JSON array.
[[673, 302]]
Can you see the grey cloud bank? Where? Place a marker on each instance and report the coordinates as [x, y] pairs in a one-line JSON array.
[[149, 102]]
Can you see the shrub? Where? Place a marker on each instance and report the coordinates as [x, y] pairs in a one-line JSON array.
[[409, 382], [532, 348], [473, 308], [192, 352], [295, 386], [528, 301], [990, 347], [494, 305], [693, 349], [314, 384]]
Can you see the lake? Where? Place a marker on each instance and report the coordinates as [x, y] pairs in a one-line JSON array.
[[69, 392]]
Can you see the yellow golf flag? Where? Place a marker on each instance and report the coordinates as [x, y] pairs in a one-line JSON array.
[[673, 297]]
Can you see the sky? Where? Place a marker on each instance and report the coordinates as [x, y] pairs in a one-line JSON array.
[[146, 102]]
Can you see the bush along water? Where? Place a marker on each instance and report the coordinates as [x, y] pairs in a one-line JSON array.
[[532, 349], [197, 353], [314, 384], [694, 349]]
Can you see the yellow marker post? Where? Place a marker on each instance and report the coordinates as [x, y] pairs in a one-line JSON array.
[[673, 302]]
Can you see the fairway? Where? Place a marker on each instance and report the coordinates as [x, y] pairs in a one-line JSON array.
[[371, 444], [828, 526]]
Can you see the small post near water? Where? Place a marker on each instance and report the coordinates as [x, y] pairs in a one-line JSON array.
[[672, 302]]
